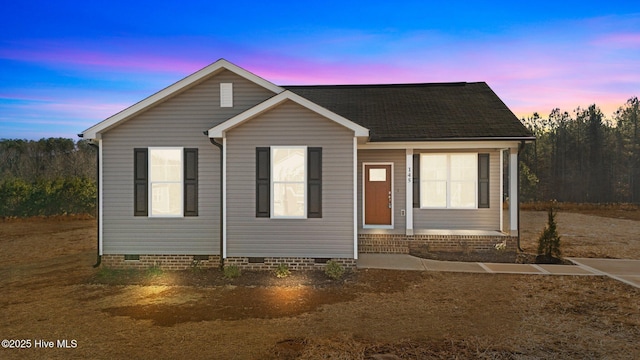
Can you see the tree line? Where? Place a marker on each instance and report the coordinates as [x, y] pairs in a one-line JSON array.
[[577, 157], [46, 177], [583, 156]]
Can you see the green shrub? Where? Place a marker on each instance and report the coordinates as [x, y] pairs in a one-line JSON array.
[[282, 271], [549, 240], [231, 272], [334, 270], [72, 195], [154, 271]]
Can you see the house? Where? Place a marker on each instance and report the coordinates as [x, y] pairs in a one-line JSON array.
[[224, 166]]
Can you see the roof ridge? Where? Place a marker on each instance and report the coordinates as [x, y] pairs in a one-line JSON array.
[[400, 85]]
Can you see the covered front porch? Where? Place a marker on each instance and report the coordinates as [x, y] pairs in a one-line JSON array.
[[490, 219]]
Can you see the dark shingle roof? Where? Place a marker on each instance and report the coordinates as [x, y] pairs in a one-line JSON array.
[[412, 112]]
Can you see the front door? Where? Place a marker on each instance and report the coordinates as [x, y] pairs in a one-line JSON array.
[[377, 195]]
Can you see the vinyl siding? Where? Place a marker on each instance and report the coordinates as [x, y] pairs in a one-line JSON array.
[[398, 158], [179, 121], [290, 124], [466, 219]]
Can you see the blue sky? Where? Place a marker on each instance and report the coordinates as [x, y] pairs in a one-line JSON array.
[[67, 65]]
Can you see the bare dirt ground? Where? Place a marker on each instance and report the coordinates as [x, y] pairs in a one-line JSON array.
[[50, 292], [616, 235]]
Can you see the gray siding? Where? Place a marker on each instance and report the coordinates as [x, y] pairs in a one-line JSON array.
[[463, 219], [398, 158], [179, 121], [329, 236]]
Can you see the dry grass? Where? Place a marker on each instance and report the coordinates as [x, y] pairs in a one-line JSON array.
[[45, 276], [584, 235], [612, 210]]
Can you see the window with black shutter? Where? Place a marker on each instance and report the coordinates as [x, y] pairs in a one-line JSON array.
[[171, 181], [190, 182], [140, 182], [263, 179], [483, 180], [314, 182], [416, 181], [283, 172]]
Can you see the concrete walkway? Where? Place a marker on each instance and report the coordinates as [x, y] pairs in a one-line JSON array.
[[627, 271]]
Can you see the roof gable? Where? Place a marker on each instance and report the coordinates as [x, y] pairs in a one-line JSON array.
[[220, 130], [176, 88]]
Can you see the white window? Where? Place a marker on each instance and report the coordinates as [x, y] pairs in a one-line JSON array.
[[226, 94], [449, 181], [288, 184], [165, 182]]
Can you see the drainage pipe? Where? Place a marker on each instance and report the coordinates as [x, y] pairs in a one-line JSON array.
[[219, 146]]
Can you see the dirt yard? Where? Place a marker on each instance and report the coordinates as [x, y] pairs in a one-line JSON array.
[[50, 293]]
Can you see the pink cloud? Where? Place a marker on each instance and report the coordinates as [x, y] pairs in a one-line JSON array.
[[619, 40], [73, 55]]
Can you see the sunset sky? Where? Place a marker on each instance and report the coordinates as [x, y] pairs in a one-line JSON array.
[[66, 65]]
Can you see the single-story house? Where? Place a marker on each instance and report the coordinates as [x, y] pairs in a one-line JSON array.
[[225, 167]]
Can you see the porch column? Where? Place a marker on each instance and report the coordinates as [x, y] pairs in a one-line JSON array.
[[409, 193], [513, 191]]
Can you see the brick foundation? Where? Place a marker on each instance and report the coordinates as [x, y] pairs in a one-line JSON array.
[[416, 244], [165, 262], [293, 263], [182, 262]]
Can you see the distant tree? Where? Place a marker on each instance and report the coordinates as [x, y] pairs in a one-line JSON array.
[[627, 123]]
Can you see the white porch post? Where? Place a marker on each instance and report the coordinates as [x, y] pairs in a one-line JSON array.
[[355, 198], [513, 191], [224, 198], [100, 198], [409, 192]]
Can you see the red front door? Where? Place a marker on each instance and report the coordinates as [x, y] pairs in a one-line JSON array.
[[377, 194]]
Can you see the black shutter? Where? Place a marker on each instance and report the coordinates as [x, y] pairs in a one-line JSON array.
[[483, 180], [263, 179], [190, 182], [416, 181], [314, 182], [140, 182]]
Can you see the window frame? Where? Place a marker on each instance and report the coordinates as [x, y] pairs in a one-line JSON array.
[[448, 182], [180, 182], [273, 182]]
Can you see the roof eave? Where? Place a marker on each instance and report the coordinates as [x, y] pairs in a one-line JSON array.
[[486, 138]]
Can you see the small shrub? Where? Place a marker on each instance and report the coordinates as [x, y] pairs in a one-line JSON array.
[[282, 271], [334, 270], [196, 265], [231, 272], [549, 240], [154, 271]]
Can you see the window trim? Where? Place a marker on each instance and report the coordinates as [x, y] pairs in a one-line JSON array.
[[449, 182], [151, 182], [272, 182]]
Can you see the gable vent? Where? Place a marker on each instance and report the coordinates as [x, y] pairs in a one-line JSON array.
[[226, 94]]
